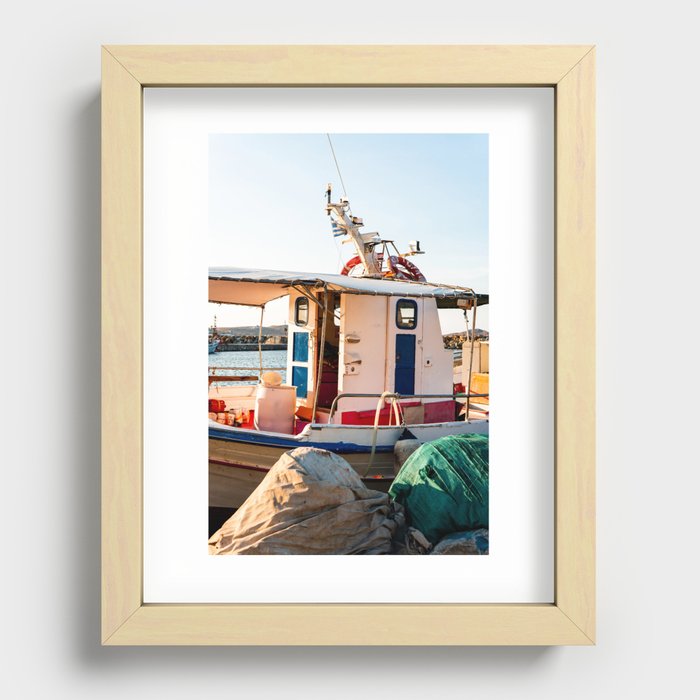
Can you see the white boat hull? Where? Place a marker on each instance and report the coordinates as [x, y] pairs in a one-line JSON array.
[[240, 458]]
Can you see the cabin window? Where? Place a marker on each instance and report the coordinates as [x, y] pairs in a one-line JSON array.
[[301, 311], [406, 314]]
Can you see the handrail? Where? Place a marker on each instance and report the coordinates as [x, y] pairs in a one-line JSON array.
[[248, 369], [399, 397], [232, 378]]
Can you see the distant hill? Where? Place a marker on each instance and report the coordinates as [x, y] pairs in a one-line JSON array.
[[455, 340], [451, 339], [252, 330]]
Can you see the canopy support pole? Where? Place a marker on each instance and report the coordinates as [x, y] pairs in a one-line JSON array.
[[308, 296], [260, 331], [471, 360], [321, 349]]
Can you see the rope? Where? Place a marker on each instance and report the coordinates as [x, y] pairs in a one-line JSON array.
[[380, 403]]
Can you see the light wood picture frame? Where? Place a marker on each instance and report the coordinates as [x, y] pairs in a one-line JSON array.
[[126, 71]]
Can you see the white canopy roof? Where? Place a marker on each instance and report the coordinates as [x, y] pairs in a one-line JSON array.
[[232, 285]]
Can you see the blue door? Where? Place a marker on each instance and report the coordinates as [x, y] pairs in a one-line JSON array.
[[300, 353], [405, 372]]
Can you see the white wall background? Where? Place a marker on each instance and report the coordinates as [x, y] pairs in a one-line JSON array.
[[648, 247]]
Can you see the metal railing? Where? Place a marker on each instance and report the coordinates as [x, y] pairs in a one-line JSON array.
[[400, 397], [257, 369], [214, 377]]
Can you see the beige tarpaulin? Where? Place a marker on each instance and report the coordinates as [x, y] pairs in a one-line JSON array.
[[311, 502]]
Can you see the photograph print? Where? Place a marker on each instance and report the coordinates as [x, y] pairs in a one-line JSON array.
[[348, 344]]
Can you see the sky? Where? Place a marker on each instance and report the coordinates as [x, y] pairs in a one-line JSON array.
[[267, 206]]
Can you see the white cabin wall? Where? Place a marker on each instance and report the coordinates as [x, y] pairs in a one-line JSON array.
[[362, 364], [391, 332], [435, 371]]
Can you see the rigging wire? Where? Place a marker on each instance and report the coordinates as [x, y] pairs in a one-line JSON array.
[[337, 167]]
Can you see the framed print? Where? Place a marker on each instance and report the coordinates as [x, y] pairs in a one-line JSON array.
[[318, 382]]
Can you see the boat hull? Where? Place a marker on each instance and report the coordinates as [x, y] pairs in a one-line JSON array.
[[239, 459]]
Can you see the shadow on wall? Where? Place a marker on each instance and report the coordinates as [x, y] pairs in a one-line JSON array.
[[84, 510]]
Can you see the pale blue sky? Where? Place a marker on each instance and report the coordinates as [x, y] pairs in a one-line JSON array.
[[266, 205]]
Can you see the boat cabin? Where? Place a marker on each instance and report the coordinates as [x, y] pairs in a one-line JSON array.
[[351, 340]]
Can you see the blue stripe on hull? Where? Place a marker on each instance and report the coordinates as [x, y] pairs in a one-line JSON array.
[[288, 443]]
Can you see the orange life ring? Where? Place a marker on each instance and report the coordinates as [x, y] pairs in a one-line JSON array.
[[350, 264], [404, 269], [398, 267]]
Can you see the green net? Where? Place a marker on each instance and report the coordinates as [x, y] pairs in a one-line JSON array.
[[444, 486]]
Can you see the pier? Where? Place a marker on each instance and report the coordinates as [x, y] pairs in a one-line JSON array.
[[241, 347]]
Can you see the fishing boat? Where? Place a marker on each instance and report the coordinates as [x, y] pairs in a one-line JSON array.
[[365, 362]]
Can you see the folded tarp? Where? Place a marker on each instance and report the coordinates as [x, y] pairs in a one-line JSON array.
[[311, 502], [472, 542], [444, 486]]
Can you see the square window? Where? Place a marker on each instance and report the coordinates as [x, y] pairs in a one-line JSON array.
[[301, 311], [406, 314]]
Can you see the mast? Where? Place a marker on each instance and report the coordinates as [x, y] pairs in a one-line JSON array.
[[347, 225]]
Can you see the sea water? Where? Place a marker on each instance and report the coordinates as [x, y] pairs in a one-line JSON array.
[[271, 359]]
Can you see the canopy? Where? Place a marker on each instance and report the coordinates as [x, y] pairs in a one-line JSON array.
[[232, 285]]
